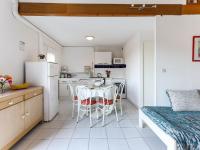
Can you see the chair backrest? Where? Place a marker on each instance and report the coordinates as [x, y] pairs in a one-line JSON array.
[[84, 81], [72, 91], [83, 92], [109, 93], [121, 89]]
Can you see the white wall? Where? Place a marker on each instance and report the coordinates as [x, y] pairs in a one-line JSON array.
[[149, 73], [174, 53], [132, 55], [47, 45], [75, 58], [115, 72], [12, 31]]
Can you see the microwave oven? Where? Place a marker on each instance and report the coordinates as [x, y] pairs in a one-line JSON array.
[[118, 61]]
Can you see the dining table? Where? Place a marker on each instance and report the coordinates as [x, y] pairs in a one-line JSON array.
[[96, 92]]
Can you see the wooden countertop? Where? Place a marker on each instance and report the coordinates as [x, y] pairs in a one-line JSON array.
[[16, 93]]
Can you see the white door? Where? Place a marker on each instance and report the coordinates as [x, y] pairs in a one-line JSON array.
[[149, 73], [53, 97]]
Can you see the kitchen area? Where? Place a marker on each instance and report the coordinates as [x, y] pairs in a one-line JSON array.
[[81, 64]]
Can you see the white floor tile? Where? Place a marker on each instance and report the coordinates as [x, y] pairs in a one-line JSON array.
[[64, 117], [97, 123], [81, 133], [59, 144], [69, 124], [98, 133], [32, 135], [133, 115], [135, 123], [131, 133], [23, 144], [126, 123], [112, 124], [98, 144], [84, 123], [114, 133], [137, 144], [155, 144], [146, 132], [64, 133], [118, 144], [39, 145], [53, 124], [45, 134], [78, 144]]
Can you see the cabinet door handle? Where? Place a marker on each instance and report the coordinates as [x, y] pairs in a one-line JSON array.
[[11, 103], [27, 114], [23, 116]]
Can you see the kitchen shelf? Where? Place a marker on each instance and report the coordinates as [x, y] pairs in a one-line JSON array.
[[111, 66]]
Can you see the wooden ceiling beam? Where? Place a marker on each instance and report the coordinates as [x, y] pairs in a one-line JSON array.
[[53, 9], [191, 9], [101, 10]]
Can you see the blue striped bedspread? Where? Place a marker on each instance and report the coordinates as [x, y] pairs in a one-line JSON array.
[[184, 127]]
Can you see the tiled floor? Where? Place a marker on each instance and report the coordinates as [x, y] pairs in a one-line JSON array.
[[64, 134]]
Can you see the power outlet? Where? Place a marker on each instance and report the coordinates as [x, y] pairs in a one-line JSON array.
[[164, 70]]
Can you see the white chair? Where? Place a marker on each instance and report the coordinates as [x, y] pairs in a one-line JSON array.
[[85, 102], [119, 96], [107, 100], [73, 97]]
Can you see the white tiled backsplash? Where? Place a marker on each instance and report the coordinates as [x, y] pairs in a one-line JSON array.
[[115, 72]]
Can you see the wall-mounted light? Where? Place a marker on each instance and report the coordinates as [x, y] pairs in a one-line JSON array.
[[143, 6]]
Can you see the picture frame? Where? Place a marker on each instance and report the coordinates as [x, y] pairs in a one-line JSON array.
[[196, 49]]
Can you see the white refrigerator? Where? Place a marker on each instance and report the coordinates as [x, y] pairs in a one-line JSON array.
[[45, 74]]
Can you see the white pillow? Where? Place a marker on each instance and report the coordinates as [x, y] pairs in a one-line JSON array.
[[184, 100]]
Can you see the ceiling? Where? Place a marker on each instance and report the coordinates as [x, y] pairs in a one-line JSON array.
[[110, 1], [108, 31]]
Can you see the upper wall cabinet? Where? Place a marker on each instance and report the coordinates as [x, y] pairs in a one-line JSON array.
[[103, 58]]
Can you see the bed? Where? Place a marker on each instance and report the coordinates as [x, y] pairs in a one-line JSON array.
[[178, 130]]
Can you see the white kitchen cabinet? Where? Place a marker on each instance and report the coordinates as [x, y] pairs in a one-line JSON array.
[[33, 111], [20, 111], [11, 123], [103, 58], [63, 90]]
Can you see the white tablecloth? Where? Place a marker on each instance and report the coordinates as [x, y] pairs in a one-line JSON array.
[[96, 91]]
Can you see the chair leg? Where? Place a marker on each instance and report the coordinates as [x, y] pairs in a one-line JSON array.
[[90, 116], [78, 114], [103, 119], [121, 107], [116, 113], [73, 110], [97, 113], [86, 109]]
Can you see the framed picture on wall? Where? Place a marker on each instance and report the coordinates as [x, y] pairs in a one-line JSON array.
[[196, 49]]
